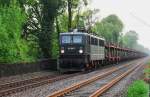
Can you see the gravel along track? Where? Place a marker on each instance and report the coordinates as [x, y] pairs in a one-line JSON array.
[[27, 76], [91, 88], [120, 89], [15, 87], [44, 90], [81, 83]]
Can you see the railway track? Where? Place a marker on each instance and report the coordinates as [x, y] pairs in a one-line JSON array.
[[74, 90], [23, 82], [13, 87], [108, 85]]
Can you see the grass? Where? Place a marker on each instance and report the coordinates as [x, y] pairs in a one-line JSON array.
[[148, 63], [138, 89], [147, 70]]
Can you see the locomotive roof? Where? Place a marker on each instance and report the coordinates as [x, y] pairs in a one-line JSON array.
[[81, 33]]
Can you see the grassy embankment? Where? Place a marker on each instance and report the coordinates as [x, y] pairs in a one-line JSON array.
[[147, 71], [140, 88]]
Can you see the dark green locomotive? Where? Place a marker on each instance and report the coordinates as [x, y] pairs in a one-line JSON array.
[[80, 51]]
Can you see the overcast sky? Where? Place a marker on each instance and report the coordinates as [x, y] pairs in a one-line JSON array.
[[135, 15]]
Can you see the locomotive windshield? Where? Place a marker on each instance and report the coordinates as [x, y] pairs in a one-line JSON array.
[[67, 39], [77, 39]]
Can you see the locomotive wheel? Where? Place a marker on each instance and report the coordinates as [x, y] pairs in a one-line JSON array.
[[93, 65], [87, 67], [96, 65]]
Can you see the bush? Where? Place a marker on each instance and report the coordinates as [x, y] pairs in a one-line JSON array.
[[12, 48], [138, 89]]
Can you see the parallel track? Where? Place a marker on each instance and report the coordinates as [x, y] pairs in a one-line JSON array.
[[15, 87], [84, 83], [9, 88], [104, 88]]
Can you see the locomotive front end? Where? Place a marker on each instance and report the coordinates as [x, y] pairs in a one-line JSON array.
[[72, 51]]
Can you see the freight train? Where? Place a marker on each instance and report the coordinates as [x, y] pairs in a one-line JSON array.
[[80, 51]]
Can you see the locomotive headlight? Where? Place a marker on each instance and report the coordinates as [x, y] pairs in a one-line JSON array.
[[62, 51], [80, 51]]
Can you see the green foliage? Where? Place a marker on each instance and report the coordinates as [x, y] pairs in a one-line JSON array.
[[147, 70], [5, 2], [12, 47], [138, 89], [63, 22], [148, 63], [49, 12], [110, 28], [130, 39], [55, 46], [73, 7]]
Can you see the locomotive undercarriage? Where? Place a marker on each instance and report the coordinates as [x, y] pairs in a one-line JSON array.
[[78, 63], [72, 63]]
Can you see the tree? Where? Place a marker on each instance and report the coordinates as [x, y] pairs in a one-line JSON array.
[[12, 47], [110, 28], [72, 6], [88, 18], [5, 2], [39, 27], [64, 22], [130, 39], [49, 11]]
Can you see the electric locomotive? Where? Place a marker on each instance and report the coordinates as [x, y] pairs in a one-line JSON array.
[[80, 51]]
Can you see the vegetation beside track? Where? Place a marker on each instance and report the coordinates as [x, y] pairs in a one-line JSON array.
[[12, 47], [147, 73], [147, 69], [138, 89]]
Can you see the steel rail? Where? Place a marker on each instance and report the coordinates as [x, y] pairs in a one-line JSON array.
[[84, 82], [14, 87], [33, 84], [114, 81], [23, 82]]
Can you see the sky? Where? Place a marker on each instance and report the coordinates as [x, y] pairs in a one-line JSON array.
[[135, 14]]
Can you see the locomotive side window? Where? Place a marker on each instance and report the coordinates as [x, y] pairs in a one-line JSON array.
[[92, 40], [66, 39], [89, 40], [101, 43], [77, 39], [96, 41]]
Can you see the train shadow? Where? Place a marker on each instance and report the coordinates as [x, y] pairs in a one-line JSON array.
[[70, 72]]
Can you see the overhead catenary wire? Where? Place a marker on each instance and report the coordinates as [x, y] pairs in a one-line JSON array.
[[140, 20]]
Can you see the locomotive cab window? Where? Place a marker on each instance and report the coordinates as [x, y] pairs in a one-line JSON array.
[[77, 39], [65, 39], [71, 39]]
